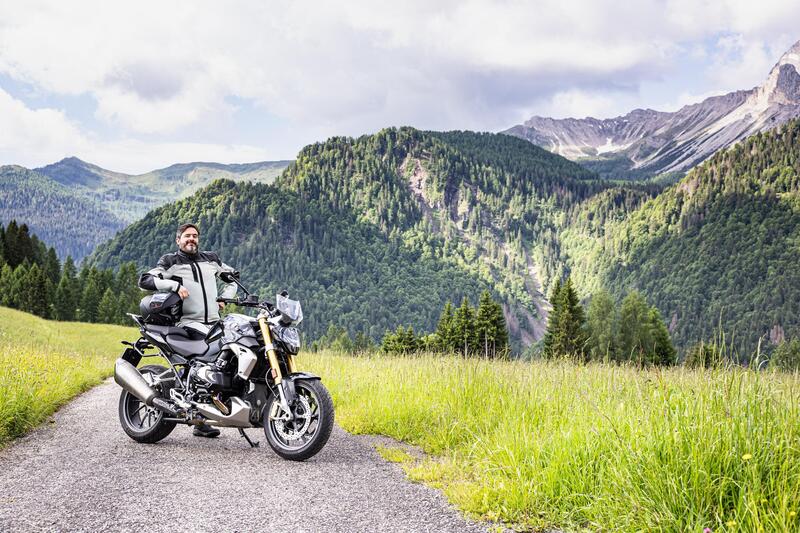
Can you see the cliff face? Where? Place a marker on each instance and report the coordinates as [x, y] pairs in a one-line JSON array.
[[655, 142]]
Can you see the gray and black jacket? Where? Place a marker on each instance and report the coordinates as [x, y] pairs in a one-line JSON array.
[[198, 274]]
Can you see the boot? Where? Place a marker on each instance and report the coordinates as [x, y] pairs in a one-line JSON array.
[[204, 430]]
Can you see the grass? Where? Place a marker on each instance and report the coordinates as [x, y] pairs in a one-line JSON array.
[[43, 364], [555, 444], [539, 445]]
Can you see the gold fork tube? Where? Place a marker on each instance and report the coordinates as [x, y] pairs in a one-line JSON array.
[[270, 347]]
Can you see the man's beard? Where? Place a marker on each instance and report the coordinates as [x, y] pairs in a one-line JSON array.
[[190, 248]]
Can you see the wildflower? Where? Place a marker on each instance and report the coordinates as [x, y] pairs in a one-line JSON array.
[[792, 514], [731, 523], [746, 457], [707, 530]]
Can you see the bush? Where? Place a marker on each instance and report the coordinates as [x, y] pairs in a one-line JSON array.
[[786, 356]]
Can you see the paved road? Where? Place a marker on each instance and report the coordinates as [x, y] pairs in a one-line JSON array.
[[82, 473]]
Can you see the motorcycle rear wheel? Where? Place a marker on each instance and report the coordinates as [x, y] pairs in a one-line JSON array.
[[141, 422], [298, 441]]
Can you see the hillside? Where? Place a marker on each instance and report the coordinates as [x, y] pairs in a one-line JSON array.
[[130, 197], [71, 222], [645, 142], [383, 229], [718, 248]]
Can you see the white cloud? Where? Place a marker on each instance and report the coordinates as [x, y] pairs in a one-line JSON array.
[[37, 137], [31, 135], [579, 104], [170, 68]]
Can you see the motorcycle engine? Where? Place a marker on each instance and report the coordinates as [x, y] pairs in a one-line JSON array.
[[210, 377]]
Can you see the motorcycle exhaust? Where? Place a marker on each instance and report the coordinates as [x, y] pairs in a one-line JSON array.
[[130, 379]]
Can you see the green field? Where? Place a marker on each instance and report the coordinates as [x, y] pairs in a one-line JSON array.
[[560, 445], [540, 445], [43, 364]]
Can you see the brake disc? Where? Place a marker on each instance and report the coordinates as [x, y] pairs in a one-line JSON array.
[[287, 433]]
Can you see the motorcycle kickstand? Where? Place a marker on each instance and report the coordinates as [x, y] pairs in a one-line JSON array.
[[251, 443]]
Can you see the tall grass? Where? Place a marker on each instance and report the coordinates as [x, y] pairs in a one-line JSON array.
[[43, 364], [555, 444]]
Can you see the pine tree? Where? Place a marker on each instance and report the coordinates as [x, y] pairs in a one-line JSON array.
[[90, 300], [663, 351], [107, 311], [35, 298], [67, 295], [552, 337], [6, 285], [501, 331], [485, 324], [51, 266], [16, 295], [128, 292], [603, 324], [576, 325], [634, 331], [464, 327], [566, 329], [445, 329]]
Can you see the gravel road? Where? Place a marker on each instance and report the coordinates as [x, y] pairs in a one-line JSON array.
[[82, 473]]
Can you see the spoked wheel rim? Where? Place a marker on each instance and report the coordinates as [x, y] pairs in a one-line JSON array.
[[138, 415], [299, 434]]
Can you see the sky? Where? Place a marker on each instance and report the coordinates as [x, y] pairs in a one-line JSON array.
[[141, 85]]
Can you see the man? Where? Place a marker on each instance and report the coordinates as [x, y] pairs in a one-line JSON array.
[[193, 275]]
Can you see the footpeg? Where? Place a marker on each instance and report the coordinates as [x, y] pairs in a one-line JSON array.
[[163, 405]]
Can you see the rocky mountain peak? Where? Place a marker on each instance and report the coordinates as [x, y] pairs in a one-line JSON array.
[[647, 142]]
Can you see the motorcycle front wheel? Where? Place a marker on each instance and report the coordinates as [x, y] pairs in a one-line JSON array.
[[305, 436], [141, 422]]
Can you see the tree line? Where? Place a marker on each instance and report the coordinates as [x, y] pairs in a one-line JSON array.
[[466, 330], [32, 279], [631, 331]]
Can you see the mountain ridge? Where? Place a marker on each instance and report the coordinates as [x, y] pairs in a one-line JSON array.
[[646, 142]]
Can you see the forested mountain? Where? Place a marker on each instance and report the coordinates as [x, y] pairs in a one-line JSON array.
[[384, 229], [343, 271], [130, 197], [72, 223], [720, 248], [76, 205]]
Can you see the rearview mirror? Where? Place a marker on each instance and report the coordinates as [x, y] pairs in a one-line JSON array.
[[229, 277]]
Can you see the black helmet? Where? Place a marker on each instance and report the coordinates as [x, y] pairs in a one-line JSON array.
[[161, 308]]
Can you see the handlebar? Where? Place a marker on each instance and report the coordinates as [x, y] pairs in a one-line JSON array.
[[247, 303]]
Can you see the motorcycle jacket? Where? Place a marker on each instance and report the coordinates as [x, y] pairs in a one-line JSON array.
[[198, 274]]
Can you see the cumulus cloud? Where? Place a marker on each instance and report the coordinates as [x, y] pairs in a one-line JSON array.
[[33, 137], [170, 69]]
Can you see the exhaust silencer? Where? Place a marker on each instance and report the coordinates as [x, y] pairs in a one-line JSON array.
[[130, 379]]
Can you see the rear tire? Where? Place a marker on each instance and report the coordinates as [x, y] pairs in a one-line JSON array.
[[141, 422], [306, 440]]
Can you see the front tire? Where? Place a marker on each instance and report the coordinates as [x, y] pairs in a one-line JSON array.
[[302, 439], [141, 422]]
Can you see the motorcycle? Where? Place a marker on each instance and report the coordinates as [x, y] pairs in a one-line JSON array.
[[242, 374]]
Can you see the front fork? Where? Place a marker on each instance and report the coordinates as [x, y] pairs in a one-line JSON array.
[[286, 390]]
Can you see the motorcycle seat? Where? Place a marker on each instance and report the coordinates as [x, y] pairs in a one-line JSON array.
[[168, 330], [194, 349]]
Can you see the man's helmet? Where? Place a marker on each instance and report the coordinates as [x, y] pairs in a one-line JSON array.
[[161, 308]]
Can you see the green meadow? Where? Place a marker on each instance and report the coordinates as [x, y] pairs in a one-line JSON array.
[[538, 445], [560, 445], [44, 364]]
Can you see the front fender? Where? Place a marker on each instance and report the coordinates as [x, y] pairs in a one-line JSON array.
[[302, 375]]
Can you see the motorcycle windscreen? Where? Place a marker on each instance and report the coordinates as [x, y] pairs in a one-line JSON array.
[[290, 309]]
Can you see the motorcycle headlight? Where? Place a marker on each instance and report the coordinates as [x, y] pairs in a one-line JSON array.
[[290, 337]]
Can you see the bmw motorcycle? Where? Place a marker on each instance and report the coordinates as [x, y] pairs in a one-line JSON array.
[[242, 374]]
